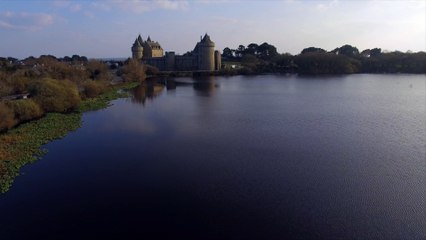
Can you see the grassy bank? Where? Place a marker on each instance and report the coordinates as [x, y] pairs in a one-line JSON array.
[[22, 145], [103, 100]]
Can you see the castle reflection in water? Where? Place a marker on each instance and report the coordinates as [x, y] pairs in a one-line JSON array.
[[150, 89]]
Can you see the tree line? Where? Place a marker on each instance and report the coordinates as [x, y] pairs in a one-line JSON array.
[[312, 60]]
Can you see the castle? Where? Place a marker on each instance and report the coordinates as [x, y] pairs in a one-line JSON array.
[[202, 58]]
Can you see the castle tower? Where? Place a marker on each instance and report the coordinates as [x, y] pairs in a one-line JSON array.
[[137, 49], [140, 39], [206, 56], [152, 49], [217, 60], [170, 61]]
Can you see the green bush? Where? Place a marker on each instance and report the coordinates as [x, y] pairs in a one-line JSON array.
[[133, 71], [20, 84], [326, 63], [25, 110], [93, 89], [3, 76], [98, 70], [54, 95], [151, 70], [5, 89], [7, 119]]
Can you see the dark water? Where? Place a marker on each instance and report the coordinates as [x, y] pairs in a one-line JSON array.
[[265, 157]]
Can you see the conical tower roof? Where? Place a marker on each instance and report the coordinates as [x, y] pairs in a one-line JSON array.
[[137, 43], [206, 38], [140, 39], [206, 41]]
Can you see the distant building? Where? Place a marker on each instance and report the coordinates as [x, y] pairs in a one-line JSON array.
[[202, 58]]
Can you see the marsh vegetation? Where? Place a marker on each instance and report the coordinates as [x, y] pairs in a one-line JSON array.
[[58, 91]]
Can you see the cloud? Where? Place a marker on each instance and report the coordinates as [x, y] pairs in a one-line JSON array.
[[89, 14], [100, 6], [227, 21], [5, 25], [140, 6], [67, 4], [133, 5], [212, 1], [326, 6], [25, 21], [171, 5], [75, 7], [61, 3]]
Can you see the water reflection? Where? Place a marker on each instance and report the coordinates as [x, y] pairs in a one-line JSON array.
[[146, 91], [264, 158], [203, 86]]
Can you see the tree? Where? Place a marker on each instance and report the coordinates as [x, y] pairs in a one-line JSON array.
[[240, 51], [267, 51], [151, 70], [93, 89], [133, 71], [252, 49], [46, 59], [366, 53], [326, 63], [249, 60], [25, 109], [75, 58], [283, 60], [98, 70], [393, 62], [54, 95], [227, 53], [67, 59], [313, 50], [84, 59], [30, 61], [375, 52], [5, 88], [347, 50], [7, 120], [20, 84]]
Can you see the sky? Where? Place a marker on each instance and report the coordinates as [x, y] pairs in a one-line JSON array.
[[108, 28]]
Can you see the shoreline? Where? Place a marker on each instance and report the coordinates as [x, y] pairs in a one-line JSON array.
[[237, 73], [23, 144]]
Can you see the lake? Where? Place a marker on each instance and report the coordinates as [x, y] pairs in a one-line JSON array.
[[256, 157]]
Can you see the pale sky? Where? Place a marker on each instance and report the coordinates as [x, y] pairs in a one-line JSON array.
[[102, 29]]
